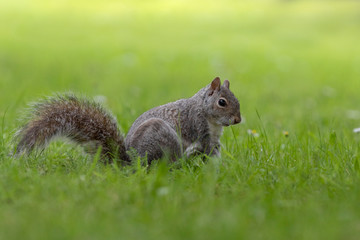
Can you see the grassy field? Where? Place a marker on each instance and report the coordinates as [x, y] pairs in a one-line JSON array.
[[294, 65]]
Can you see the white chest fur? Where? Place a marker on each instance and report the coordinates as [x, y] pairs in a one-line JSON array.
[[215, 131]]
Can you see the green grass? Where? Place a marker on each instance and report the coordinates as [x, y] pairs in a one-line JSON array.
[[294, 65]]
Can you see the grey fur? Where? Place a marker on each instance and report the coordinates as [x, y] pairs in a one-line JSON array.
[[189, 126]]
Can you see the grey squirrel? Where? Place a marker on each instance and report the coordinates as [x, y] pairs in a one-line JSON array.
[[187, 126]]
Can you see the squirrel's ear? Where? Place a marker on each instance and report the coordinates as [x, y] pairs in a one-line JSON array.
[[214, 86], [226, 84]]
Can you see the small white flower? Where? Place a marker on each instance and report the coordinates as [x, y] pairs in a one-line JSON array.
[[253, 133], [286, 133], [356, 130]]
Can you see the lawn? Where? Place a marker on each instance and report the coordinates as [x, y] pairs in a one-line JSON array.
[[291, 170]]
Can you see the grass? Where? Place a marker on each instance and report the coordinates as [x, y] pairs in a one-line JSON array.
[[294, 66]]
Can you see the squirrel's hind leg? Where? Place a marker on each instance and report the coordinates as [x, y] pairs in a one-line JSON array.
[[155, 139]]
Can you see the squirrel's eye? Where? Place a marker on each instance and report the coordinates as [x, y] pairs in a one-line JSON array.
[[222, 102]]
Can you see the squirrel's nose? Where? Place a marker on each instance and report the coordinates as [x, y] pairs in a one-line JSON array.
[[237, 119]]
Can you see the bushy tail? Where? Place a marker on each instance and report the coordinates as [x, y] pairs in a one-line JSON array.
[[80, 120]]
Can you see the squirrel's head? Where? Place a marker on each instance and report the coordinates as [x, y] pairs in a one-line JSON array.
[[222, 106]]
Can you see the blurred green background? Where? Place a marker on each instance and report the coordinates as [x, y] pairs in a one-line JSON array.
[[294, 65], [293, 61]]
